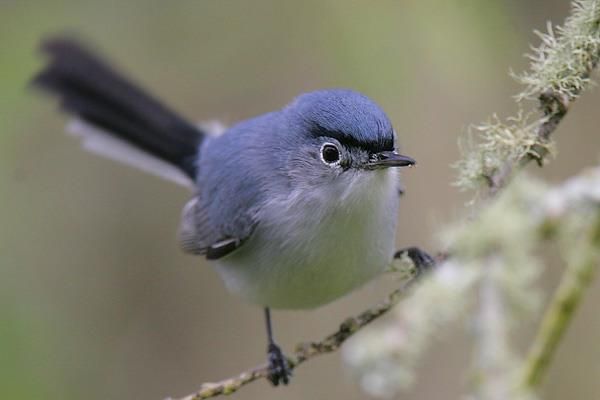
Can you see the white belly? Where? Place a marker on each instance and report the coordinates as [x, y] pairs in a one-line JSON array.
[[309, 250]]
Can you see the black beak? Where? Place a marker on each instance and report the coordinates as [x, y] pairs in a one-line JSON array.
[[386, 159]]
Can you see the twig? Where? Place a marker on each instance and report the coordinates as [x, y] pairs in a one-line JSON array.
[[560, 70], [561, 310], [557, 82], [555, 106], [304, 351]]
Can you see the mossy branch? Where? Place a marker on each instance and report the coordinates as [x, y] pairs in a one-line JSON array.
[[494, 257], [406, 263], [560, 312], [506, 230], [560, 70]]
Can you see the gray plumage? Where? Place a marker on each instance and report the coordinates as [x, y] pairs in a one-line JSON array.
[[295, 207], [345, 215]]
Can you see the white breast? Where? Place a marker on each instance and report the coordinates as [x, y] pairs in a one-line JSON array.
[[311, 248]]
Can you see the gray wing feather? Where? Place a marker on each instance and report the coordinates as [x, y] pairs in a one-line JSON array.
[[198, 236], [193, 237], [234, 176]]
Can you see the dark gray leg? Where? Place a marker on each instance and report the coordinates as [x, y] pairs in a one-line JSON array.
[[279, 370]]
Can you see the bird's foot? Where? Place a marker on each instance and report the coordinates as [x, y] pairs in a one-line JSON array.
[[422, 260], [279, 368]]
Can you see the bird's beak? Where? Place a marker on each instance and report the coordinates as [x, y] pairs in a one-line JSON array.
[[386, 159]]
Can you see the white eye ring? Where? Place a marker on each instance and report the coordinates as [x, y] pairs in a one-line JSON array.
[[330, 154]]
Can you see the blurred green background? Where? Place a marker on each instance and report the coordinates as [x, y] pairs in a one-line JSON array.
[[96, 300]]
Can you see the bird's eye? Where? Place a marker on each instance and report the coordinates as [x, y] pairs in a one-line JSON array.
[[330, 154]]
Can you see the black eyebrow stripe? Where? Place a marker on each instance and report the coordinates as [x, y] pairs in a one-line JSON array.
[[348, 141]]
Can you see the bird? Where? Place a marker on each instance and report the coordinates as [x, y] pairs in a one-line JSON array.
[[294, 208]]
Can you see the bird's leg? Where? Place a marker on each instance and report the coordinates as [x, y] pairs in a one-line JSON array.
[[422, 260], [279, 369]]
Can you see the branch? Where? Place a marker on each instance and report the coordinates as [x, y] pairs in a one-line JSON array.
[[308, 350], [560, 71], [561, 310], [509, 226], [555, 107]]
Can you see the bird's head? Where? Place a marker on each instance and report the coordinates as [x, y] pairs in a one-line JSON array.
[[342, 132]]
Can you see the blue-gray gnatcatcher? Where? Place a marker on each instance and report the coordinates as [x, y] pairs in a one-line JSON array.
[[294, 208]]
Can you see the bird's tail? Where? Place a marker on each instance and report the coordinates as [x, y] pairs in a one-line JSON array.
[[116, 118]]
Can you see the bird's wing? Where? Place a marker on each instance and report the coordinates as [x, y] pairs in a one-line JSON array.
[[197, 235]]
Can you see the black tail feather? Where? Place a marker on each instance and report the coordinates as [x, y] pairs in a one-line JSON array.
[[91, 90]]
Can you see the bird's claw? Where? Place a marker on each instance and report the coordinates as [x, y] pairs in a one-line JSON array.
[[422, 260], [279, 368]]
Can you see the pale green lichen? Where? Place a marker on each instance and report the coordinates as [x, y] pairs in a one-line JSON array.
[[506, 227], [490, 282], [490, 279], [563, 61], [500, 244], [560, 70], [494, 144], [384, 359]]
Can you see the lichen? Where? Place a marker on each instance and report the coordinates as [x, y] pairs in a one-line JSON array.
[[566, 55], [559, 71]]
